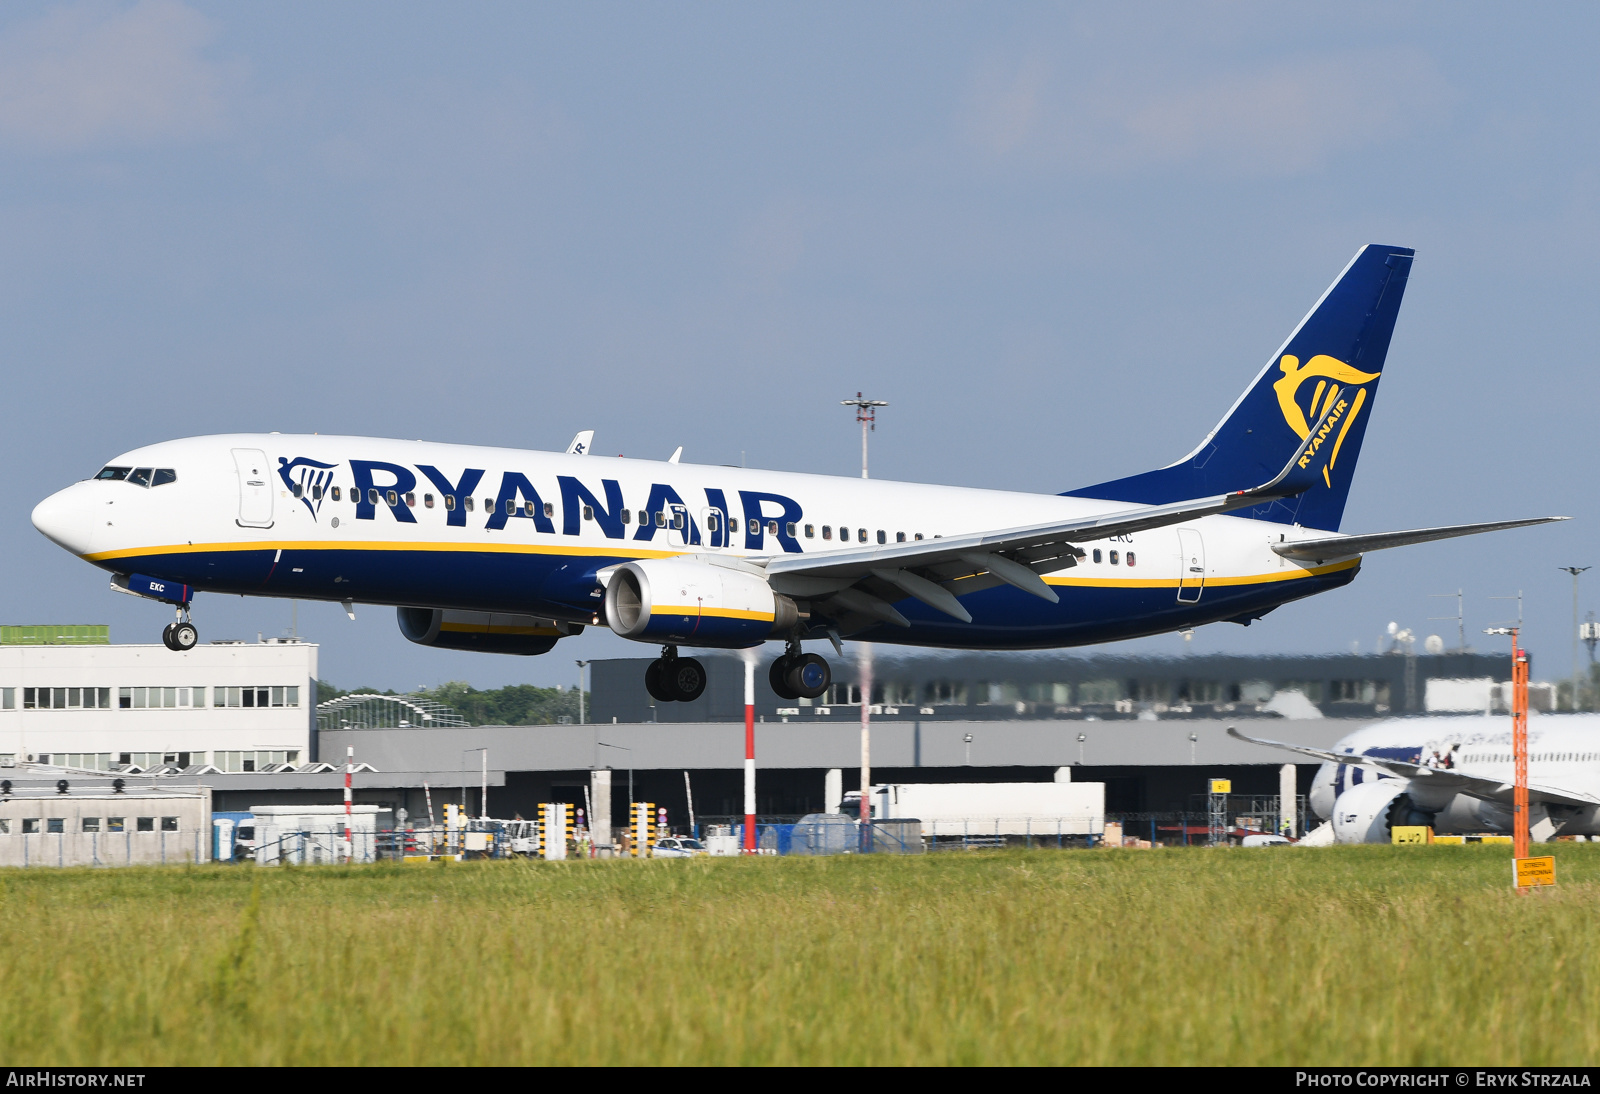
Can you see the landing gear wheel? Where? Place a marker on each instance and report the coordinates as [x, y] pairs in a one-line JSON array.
[[686, 677], [166, 637], [808, 676], [184, 637], [656, 684], [777, 679]]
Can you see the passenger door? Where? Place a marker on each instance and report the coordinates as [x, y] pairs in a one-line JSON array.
[[677, 525], [255, 488], [1191, 565], [714, 527]]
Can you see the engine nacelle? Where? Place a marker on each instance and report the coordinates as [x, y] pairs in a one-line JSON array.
[[482, 631], [1361, 814], [695, 602]]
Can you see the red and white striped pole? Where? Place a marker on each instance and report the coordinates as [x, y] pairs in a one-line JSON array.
[[349, 765], [750, 756]]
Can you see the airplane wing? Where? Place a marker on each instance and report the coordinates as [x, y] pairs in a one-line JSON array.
[[1332, 547], [929, 569], [1476, 785]]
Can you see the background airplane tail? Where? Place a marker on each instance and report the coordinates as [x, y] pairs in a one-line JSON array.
[[1330, 365]]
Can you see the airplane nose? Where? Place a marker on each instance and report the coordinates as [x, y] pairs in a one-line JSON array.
[[66, 519]]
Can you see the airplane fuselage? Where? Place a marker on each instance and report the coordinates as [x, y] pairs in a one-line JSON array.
[[417, 523]]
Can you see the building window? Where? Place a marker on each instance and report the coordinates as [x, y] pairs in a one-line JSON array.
[[5, 826], [30, 825], [56, 826], [91, 824], [145, 824], [114, 824], [169, 824], [8, 698]]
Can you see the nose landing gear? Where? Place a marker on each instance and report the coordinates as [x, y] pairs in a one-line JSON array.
[[180, 636], [673, 679]]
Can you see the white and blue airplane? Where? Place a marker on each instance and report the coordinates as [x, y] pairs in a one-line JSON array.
[[506, 550], [1453, 774]]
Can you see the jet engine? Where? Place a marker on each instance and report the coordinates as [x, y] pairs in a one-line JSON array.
[[483, 632], [695, 602], [1367, 812]]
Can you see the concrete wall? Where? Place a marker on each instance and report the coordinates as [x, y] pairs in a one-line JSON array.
[[188, 839]]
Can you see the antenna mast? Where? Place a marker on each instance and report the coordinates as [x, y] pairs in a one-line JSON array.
[[867, 415]]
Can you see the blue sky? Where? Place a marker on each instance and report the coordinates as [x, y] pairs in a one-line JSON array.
[[1059, 239]]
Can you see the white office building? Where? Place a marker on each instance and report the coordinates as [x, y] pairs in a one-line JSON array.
[[235, 705]]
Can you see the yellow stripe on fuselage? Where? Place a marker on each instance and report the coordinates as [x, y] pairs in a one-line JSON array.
[[384, 545], [1294, 574]]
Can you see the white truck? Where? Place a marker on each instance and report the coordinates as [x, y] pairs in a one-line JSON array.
[[991, 809]]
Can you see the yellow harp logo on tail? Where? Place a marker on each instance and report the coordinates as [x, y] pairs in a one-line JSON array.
[[1330, 397]]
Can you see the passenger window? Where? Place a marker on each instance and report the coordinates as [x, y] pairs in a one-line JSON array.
[[588, 512], [899, 537], [372, 495], [861, 535], [827, 531], [811, 531], [488, 506], [393, 498], [511, 507], [678, 520], [627, 518], [468, 502], [918, 535], [140, 476], [316, 493], [296, 489], [772, 527], [427, 501], [549, 509], [116, 474], [644, 517], [165, 475], [788, 529], [1130, 558], [844, 534], [527, 507], [411, 501], [1096, 555], [883, 537], [1113, 558], [336, 493], [661, 520]]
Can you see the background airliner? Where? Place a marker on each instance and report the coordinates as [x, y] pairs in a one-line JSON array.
[[1454, 774], [509, 551]]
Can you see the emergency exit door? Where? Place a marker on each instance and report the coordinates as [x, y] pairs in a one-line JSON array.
[[255, 488], [1191, 565]]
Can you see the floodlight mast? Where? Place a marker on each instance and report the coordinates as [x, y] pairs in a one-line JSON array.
[[1574, 571], [867, 415], [1519, 748]]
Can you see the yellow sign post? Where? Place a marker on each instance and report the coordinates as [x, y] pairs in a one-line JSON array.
[[1534, 872], [1222, 786], [1411, 834]]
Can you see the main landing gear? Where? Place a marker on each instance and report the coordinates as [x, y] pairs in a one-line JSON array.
[[181, 635], [673, 679], [799, 675]]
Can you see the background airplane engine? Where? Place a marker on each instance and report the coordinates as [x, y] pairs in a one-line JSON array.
[[696, 603], [483, 632], [1365, 812], [1466, 813]]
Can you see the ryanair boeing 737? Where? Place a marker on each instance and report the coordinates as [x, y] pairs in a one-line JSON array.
[[509, 551]]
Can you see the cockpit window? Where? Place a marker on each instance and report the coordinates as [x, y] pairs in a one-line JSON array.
[[117, 473], [164, 475], [141, 476]]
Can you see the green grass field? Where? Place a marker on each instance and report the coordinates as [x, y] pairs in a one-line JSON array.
[[1353, 955]]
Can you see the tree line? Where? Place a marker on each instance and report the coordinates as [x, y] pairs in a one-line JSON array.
[[514, 705]]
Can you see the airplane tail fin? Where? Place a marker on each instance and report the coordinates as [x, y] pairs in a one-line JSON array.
[[1327, 372]]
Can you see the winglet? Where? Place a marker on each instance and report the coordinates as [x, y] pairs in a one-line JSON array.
[[581, 443]]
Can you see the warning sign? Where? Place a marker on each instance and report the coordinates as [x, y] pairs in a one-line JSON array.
[[1532, 872], [1222, 786], [1405, 833]]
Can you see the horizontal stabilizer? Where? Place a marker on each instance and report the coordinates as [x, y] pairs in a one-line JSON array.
[[1329, 547]]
